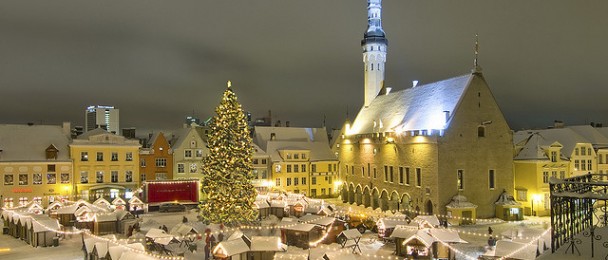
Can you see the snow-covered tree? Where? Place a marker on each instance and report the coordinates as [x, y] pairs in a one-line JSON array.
[[228, 195]]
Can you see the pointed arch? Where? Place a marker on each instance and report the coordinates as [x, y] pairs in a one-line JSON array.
[[394, 201], [359, 195], [384, 200], [351, 193], [366, 196], [375, 203]]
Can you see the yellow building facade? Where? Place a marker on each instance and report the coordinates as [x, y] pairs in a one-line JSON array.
[[34, 164], [105, 165]]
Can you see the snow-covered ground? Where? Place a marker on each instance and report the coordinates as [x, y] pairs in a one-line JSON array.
[[371, 247]]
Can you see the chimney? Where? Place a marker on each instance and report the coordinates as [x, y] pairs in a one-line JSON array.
[[414, 83], [278, 123], [273, 136], [447, 115], [558, 124], [388, 90], [67, 129]]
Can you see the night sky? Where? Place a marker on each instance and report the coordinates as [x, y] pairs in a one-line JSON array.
[[159, 61]]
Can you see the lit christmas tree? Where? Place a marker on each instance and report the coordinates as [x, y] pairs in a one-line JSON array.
[[228, 195]]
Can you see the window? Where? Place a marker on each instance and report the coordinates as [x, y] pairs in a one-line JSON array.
[[322, 191], [407, 175], [193, 168], [84, 156], [400, 175], [575, 151], [129, 176], [583, 151], [589, 168], [460, 179], [263, 161], [314, 180], [418, 177], [199, 153], [142, 163], [369, 170], [375, 173], [142, 177], [481, 131], [385, 173], [303, 167], [65, 178], [84, 177], [545, 177], [51, 178], [114, 156], [583, 166], [345, 166], [288, 168], [50, 168], [600, 159], [362, 171], [288, 156], [303, 180], [114, 175], [554, 156], [521, 195], [277, 168], [99, 156], [303, 156], [255, 161], [313, 168], [288, 181], [160, 176], [491, 179], [37, 178], [296, 156], [23, 179], [161, 162], [99, 177], [192, 144], [188, 153], [330, 180], [589, 151], [391, 174], [295, 181], [562, 174], [296, 168], [278, 182], [129, 156], [180, 168], [577, 165], [554, 174], [352, 169]]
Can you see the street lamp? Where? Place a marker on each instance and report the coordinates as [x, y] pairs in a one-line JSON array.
[[535, 197]]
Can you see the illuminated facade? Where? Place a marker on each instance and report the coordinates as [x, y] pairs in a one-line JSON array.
[[105, 117], [301, 160], [189, 149], [105, 165], [374, 46], [34, 164], [415, 149], [261, 169], [560, 152], [156, 159]]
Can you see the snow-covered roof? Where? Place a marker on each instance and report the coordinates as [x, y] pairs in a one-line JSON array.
[[431, 220], [182, 229], [101, 202], [591, 134], [267, 244], [104, 217], [515, 250], [352, 233], [319, 151], [230, 248], [135, 200], [318, 220], [390, 222], [446, 235], [262, 135], [418, 108], [101, 248], [536, 140], [404, 231], [301, 227], [55, 205], [71, 209], [89, 243], [159, 236], [278, 203], [423, 237], [29, 142], [118, 201], [506, 199], [460, 202], [135, 256], [262, 204]]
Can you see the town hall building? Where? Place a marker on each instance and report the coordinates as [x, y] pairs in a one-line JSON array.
[[417, 149]]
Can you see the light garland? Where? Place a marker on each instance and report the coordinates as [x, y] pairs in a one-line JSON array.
[[535, 240]]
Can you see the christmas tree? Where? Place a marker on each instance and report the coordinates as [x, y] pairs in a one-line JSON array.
[[228, 195]]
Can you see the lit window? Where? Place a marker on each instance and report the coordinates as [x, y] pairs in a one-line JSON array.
[[161, 162], [114, 175], [23, 179], [114, 157], [99, 177], [129, 156], [37, 178], [545, 177], [84, 156], [180, 168], [8, 179], [199, 153], [65, 178], [84, 177], [99, 156], [129, 176], [460, 179]]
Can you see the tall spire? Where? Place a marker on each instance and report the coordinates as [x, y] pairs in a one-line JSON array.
[[476, 67], [374, 46]]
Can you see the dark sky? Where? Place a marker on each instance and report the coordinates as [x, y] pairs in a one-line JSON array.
[[159, 61]]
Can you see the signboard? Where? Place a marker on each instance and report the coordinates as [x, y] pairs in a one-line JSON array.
[[164, 191]]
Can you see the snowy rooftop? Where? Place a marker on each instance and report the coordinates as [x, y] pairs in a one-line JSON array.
[[417, 108], [29, 143]]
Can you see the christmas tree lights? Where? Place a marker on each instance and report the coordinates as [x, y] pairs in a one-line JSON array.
[[228, 195]]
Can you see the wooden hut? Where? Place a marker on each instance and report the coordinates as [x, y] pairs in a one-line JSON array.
[[426, 221], [44, 232], [425, 242], [102, 203], [66, 215], [124, 219], [387, 225], [297, 207], [265, 247], [507, 208], [104, 223], [277, 208], [136, 205], [300, 235], [263, 208], [119, 203], [100, 251], [325, 224], [235, 249], [117, 251], [350, 238], [89, 244], [462, 211]]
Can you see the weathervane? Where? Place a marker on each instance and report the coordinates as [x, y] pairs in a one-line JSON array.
[[230, 83], [476, 49]]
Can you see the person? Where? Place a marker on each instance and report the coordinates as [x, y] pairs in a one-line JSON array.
[[490, 230], [184, 219], [414, 253], [491, 241]]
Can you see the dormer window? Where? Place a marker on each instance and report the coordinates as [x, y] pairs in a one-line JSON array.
[[51, 152], [553, 156]]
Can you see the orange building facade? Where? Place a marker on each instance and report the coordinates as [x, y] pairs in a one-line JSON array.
[[156, 159]]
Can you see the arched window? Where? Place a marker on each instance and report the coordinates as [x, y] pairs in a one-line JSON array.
[[481, 131]]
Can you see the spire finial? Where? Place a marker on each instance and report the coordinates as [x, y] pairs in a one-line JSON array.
[[229, 84], [476, 68]]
